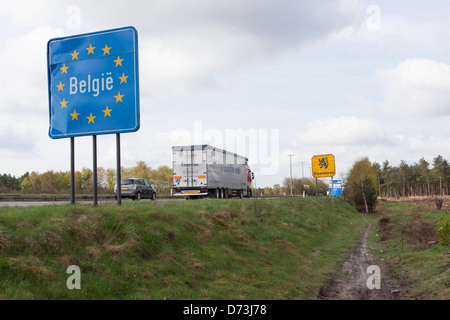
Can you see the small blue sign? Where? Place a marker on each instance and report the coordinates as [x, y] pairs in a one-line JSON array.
[[336, 188], [93, 83]]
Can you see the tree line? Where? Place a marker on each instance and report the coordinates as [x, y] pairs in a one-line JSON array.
[[59, 181], [9, 183], [422, 178], [367, 181]]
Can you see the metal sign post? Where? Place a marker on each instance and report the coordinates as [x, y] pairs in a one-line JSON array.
[[94, 171], [317, 189], [72, 170], [119, 189], [93, 88], [332, 190]]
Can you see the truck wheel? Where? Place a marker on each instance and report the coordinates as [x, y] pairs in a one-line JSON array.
[[217, 193], [241, 194], [226, 193]]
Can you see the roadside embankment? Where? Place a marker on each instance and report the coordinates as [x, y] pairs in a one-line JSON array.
[[208, 249]]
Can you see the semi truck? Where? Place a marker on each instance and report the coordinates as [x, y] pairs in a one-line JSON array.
[[205, 171]]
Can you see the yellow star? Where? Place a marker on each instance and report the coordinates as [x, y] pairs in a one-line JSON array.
[[119, 97], [123, 78], [106, 49], [74, 115], [60, 86], [118, 61], [107, 111], [90, 49], [75, 55], [64, 103], [64, 69], [91, 118]]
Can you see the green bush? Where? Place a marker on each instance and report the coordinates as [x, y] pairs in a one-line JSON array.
[[443, 229]]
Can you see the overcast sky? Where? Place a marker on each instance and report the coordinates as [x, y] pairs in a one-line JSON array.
[[263, 78]]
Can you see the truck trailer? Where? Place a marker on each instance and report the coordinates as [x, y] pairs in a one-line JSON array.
[[206, 171]]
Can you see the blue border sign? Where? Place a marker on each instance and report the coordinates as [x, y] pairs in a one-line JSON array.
[[93, 83]]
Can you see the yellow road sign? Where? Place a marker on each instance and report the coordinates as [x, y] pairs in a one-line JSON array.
[[323, 166]]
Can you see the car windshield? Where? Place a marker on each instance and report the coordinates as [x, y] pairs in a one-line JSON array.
[[127, 181]]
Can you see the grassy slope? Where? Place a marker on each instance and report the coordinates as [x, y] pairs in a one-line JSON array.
[[406, 237], [208, 249]]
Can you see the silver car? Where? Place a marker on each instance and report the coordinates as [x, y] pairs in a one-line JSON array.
[[136, 189]]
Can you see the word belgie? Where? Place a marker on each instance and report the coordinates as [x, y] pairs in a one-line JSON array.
[[95, 85]]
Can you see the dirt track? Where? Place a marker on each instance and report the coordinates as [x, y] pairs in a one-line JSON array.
[[354, 285]]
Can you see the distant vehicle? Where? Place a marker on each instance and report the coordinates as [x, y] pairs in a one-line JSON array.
[[206, 171], [136, 189]]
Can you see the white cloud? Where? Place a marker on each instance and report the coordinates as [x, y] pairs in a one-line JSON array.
[[379, 30], [178, 64], [23, 88], [415, 88], [24, 13], [23, 85], [346, 130]]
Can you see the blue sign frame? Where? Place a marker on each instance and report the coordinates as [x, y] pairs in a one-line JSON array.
[[93, 83]]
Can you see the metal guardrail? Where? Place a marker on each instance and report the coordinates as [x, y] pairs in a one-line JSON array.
[[41, 198]]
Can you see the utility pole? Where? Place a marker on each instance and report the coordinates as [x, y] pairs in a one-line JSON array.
[[303, 175], [290, 161]]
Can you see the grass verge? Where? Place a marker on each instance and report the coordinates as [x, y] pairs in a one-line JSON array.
[[407, 239], [208, 249]]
